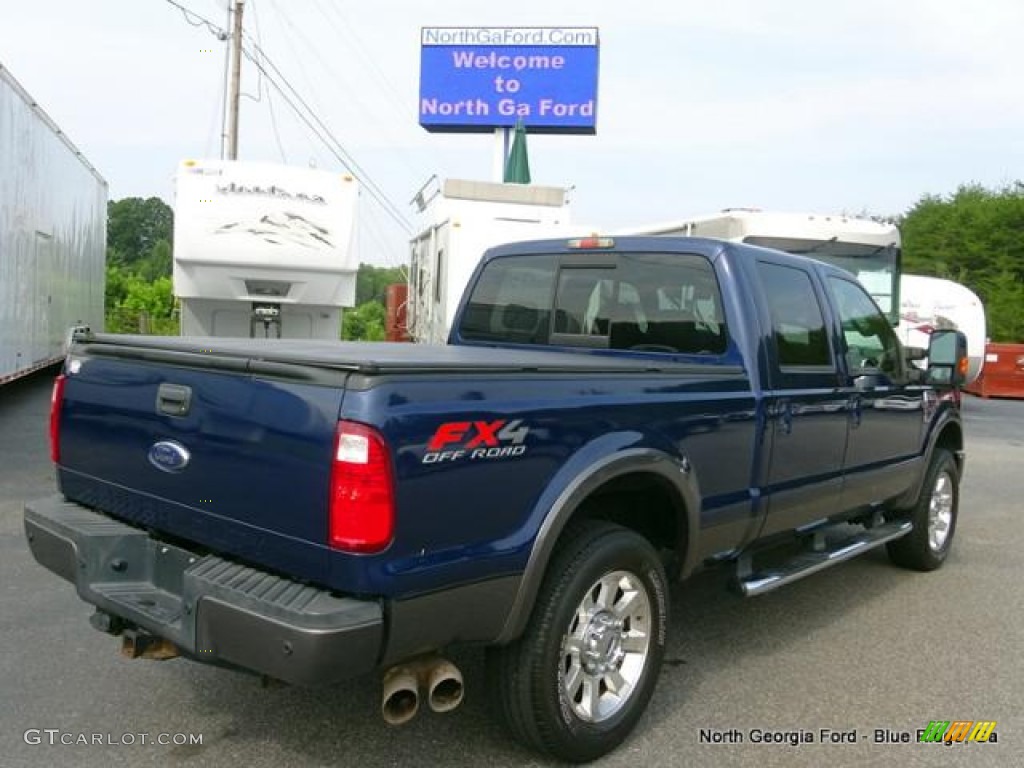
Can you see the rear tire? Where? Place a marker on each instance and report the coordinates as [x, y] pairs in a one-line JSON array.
[[934, 517], [577, 681]]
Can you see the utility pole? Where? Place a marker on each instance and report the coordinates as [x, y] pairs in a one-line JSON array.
[[236, 81]]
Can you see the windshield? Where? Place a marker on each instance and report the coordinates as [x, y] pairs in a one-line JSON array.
[[875, 266]]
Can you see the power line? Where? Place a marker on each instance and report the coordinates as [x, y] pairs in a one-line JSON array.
[[306, 114], [345, 28], [284, 22], [349, 163], [273, 125], [200, 21], [381, 124], [323, 132], [212, 135], [270, 102], [196, 20], [371, 227]]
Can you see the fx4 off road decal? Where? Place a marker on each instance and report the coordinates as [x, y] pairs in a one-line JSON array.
[[476, 440]]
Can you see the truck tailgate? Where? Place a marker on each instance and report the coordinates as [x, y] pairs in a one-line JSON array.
[[231, 460]]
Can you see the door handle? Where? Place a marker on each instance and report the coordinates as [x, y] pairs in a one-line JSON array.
[[173, 399], [856, 410], [786, 417]]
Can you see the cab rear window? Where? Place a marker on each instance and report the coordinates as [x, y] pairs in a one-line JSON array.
[[650, 302]]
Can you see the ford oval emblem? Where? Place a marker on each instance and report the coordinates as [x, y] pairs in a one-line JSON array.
[[169, 456]]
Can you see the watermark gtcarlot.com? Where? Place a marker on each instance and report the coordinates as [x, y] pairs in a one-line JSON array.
[[56, 737]]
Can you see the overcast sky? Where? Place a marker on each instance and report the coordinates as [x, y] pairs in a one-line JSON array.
[[787, 105]]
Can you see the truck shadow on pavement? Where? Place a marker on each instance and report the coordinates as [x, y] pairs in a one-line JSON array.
[[714, 636]]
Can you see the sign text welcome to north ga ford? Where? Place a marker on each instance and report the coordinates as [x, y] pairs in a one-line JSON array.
[[481, 78]]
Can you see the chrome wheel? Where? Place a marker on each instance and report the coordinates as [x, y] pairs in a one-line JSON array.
[[578, 679], [933, 516], [606, 646], [940, 512]]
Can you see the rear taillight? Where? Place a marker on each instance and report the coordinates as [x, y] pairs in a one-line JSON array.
[[56, 401], [362, 506]]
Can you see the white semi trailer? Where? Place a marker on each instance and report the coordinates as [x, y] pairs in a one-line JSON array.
[[263, 250], [53, 235]]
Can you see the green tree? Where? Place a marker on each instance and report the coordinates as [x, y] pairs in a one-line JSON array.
[[135, 226], [117, 287], [1003, 295], [364, 323], [157, 263], [372, 282], [152, 297], [139, 294], [139, 305], [974, 236]]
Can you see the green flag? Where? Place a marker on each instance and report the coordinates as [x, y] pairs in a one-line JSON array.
[[517, 166]]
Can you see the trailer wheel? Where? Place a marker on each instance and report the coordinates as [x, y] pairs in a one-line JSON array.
[[934, 518], [579, 678]]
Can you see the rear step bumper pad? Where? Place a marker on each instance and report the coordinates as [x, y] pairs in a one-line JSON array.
[[214, 610]]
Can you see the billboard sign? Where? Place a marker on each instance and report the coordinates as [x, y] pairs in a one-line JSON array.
[[476, 79]]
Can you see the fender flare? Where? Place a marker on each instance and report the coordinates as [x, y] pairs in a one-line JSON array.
[[575, 492], [947, 420]]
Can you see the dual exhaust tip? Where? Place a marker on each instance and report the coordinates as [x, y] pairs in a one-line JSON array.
[[438, 679]]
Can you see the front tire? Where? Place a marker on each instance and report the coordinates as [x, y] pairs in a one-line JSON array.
[[577, 681], [934, 517]]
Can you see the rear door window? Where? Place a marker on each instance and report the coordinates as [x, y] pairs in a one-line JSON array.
[[798, 324]]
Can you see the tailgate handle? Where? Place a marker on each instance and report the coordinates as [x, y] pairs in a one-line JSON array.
[[173, 399]]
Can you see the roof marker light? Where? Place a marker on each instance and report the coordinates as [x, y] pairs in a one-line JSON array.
[[587, 243]]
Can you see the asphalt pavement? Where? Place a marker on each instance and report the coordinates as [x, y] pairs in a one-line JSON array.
[[864, 651]]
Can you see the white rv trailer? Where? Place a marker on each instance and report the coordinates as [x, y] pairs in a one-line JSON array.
[[933, 303], [53, 236], [263, 249], [462, 219], [868, 249]]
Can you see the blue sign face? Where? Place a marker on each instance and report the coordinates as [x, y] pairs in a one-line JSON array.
[[482, 78]]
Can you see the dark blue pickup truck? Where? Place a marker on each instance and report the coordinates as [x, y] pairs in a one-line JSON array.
[[609, 416]]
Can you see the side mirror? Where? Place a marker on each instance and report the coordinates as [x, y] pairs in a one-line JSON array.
[[947, 359]]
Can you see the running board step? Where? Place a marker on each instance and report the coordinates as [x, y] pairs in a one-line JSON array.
[[806, 563]]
